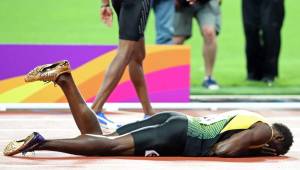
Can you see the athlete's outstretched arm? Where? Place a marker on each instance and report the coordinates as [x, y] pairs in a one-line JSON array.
[[243, 142]]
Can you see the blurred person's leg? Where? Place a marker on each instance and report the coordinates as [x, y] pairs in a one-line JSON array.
[[136, 73], [131, 39], [114, 72], [272, 21], [254, 51], [209, 18], [164, 11], [182, 25]]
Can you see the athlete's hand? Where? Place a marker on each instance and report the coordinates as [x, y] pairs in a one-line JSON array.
[[266, 150], [106, 15]]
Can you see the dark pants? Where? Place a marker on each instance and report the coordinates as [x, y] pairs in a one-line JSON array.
[[262, 21], [165, 133]]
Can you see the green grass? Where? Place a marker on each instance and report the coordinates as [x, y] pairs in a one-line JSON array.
[[77, 22]]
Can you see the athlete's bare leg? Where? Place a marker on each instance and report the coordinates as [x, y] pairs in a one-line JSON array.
[[126, 53], [136, 72], [85, 118], [92, 145], [90, 142]]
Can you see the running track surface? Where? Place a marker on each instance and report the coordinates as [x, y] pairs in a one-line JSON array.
[[16, 125]]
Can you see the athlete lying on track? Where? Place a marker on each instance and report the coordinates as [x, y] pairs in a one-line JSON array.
[[231, 134]]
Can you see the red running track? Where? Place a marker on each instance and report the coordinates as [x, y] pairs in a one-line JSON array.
[[61, 125]]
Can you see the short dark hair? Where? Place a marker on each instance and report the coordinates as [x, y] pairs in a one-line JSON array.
[[287, 135]]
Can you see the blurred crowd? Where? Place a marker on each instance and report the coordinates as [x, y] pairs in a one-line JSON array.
[[262, 21]]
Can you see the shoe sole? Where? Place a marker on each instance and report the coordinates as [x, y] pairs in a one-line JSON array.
[[22, 147], [64, 63]]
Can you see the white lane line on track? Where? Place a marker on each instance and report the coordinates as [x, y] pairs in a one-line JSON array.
[[191, 105]]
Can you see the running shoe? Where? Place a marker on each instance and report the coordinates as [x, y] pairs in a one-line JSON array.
[[210, 84], [105, 122], [25, 145], [48, 72], [146, 116]]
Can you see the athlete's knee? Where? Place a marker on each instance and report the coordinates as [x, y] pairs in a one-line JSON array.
[[100, 145], [112, 147], [139, 59], [123, 57], [121, 145], [139, 55]]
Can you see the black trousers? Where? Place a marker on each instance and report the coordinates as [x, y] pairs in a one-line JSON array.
[[262, 20]]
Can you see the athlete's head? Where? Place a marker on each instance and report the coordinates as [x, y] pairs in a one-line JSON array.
[[282, 138]]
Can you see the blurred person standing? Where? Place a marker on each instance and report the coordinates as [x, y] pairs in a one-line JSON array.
[[208, 16], [262, 21], [132, 19], [164, 11]]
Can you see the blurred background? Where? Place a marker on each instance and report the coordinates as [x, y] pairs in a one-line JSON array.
[[77, 22]]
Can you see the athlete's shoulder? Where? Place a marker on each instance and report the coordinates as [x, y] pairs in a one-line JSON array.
[[242, 119], [245, 113]]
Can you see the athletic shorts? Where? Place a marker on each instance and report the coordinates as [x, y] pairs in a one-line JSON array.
[[132, 18], [164, 134], [207, 14]]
